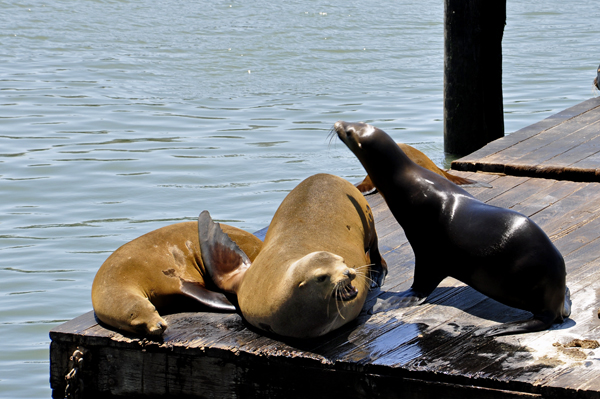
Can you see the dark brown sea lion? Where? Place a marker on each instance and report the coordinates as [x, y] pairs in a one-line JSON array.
[[154, 271], [499, 252], [597, 79], [314, 270], [367, 187]]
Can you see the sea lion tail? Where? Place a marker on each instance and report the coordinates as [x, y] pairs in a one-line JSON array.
[[224, 261]]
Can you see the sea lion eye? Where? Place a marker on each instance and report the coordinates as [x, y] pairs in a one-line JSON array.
[[321, 278]]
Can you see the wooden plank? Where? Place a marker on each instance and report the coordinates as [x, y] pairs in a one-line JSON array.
[[550, 143], [541, 200], [573, 150]]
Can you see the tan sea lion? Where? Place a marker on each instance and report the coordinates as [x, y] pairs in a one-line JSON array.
[[314, 270], [367, 187], [499, 252], [157, 270]]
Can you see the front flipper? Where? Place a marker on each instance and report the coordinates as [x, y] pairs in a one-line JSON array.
[[401, 300], [223, 260], [378, 269], [214, 300]]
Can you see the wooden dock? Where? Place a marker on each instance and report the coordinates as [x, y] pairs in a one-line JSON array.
[[565, 146], [427, 351]]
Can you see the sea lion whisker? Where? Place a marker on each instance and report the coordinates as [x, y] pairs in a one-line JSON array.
[[364, 276], [358, 268], [368, 279], [337, 303], [331, 136], [332, 294]]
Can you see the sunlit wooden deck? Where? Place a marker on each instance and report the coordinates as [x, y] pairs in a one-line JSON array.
[[427, 351]]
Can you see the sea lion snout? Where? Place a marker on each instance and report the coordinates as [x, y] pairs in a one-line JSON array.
[[355, 134], [348, 128], [350, 273], [348, 133], [344, 290]]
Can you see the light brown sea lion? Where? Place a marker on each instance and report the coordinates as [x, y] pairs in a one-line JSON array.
[[314, 270], [157, 270], [499, 252], [367, 187]]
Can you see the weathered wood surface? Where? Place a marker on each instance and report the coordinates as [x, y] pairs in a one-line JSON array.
[[565, 146], [427, 351]]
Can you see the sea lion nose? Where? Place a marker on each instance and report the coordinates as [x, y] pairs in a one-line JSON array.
[[350, 273]]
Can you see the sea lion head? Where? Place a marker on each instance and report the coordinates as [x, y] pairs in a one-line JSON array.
[[597, 79], [363, 139], [375, 149], [323, 293], [326, 275]]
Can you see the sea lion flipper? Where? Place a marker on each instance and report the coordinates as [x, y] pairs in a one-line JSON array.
[[214, 300], [366, 187], [379, 269], [538, 323], [566, 310], [464, 181], [223, 260]]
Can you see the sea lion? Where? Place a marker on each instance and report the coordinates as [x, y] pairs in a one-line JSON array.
[[499, 252], [312, 274], [367, 187], [157, 270], [597, 79]]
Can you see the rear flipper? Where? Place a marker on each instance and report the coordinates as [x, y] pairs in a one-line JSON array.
[[539, 322], [214, 300], [223, 259]]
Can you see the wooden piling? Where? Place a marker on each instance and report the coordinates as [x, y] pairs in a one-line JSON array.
[[473, 110]]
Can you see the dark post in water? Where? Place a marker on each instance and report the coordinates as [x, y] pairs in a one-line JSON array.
[[473, 111]]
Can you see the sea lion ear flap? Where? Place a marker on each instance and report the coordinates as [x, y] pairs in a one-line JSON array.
[[223, 260]]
